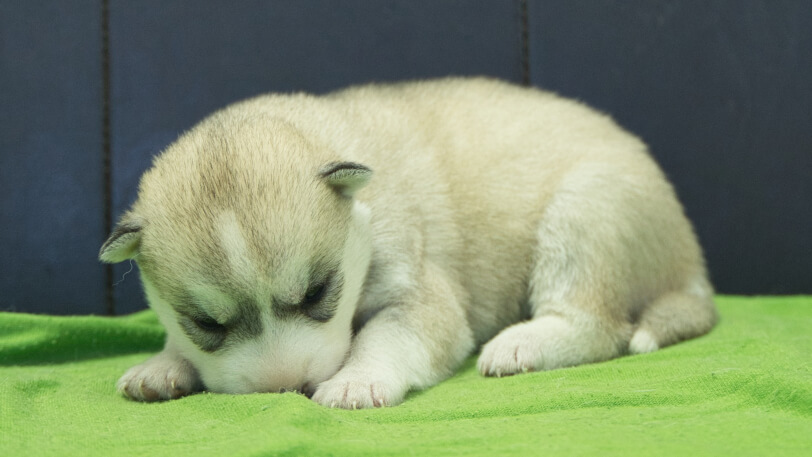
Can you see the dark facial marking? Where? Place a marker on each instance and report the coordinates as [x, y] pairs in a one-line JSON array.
[[319, 302], [211, 335], [246, 323], [204, 331]]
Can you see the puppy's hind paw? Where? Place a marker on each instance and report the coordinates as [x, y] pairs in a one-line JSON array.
[[643, 342], [509, 354]]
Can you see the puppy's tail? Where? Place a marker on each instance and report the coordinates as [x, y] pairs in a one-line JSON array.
[[674, 317]]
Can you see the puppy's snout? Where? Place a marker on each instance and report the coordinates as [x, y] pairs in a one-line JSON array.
[[271, 384]]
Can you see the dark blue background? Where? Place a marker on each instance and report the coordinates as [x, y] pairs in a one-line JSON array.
[[90, 91]]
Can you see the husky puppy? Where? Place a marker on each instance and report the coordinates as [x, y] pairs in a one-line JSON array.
[[358, 245]]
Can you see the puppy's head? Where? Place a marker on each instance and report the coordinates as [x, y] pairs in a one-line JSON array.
[[252, 251]]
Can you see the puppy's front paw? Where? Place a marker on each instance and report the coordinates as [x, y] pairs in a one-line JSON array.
[[356, 391], [159, 378]]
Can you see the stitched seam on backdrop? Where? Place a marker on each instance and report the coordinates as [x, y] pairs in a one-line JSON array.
[[525, 39], [110, 306]]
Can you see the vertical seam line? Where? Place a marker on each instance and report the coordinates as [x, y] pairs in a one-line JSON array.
[[525, 42], [109, 299]]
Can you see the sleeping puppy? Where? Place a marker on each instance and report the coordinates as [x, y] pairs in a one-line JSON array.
[[362, 244]]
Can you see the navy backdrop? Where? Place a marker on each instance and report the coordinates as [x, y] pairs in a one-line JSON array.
[[90, 91]]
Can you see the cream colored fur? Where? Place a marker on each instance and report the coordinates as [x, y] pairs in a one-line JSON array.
[[494, 215]]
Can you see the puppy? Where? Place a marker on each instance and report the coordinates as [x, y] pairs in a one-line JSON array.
[[358, 245]]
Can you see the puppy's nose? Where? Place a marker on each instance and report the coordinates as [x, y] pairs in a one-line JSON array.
[[308, 390], [304, 389]]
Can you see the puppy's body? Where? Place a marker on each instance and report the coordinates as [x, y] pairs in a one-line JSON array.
[[497, 215]]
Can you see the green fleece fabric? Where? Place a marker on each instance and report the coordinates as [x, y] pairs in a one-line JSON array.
[[745, 389]]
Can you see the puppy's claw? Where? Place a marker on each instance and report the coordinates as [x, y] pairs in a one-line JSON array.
[[357, 394], [160, 378]]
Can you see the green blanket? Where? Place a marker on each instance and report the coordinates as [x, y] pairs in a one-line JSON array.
[[745, 389]]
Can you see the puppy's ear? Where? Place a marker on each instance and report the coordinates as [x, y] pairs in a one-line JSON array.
[[346, 177], [124, 242]]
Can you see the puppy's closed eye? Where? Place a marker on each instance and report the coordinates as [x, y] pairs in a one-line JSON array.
[[314, 294], [208, 324], [321, 298], [204, 330]]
